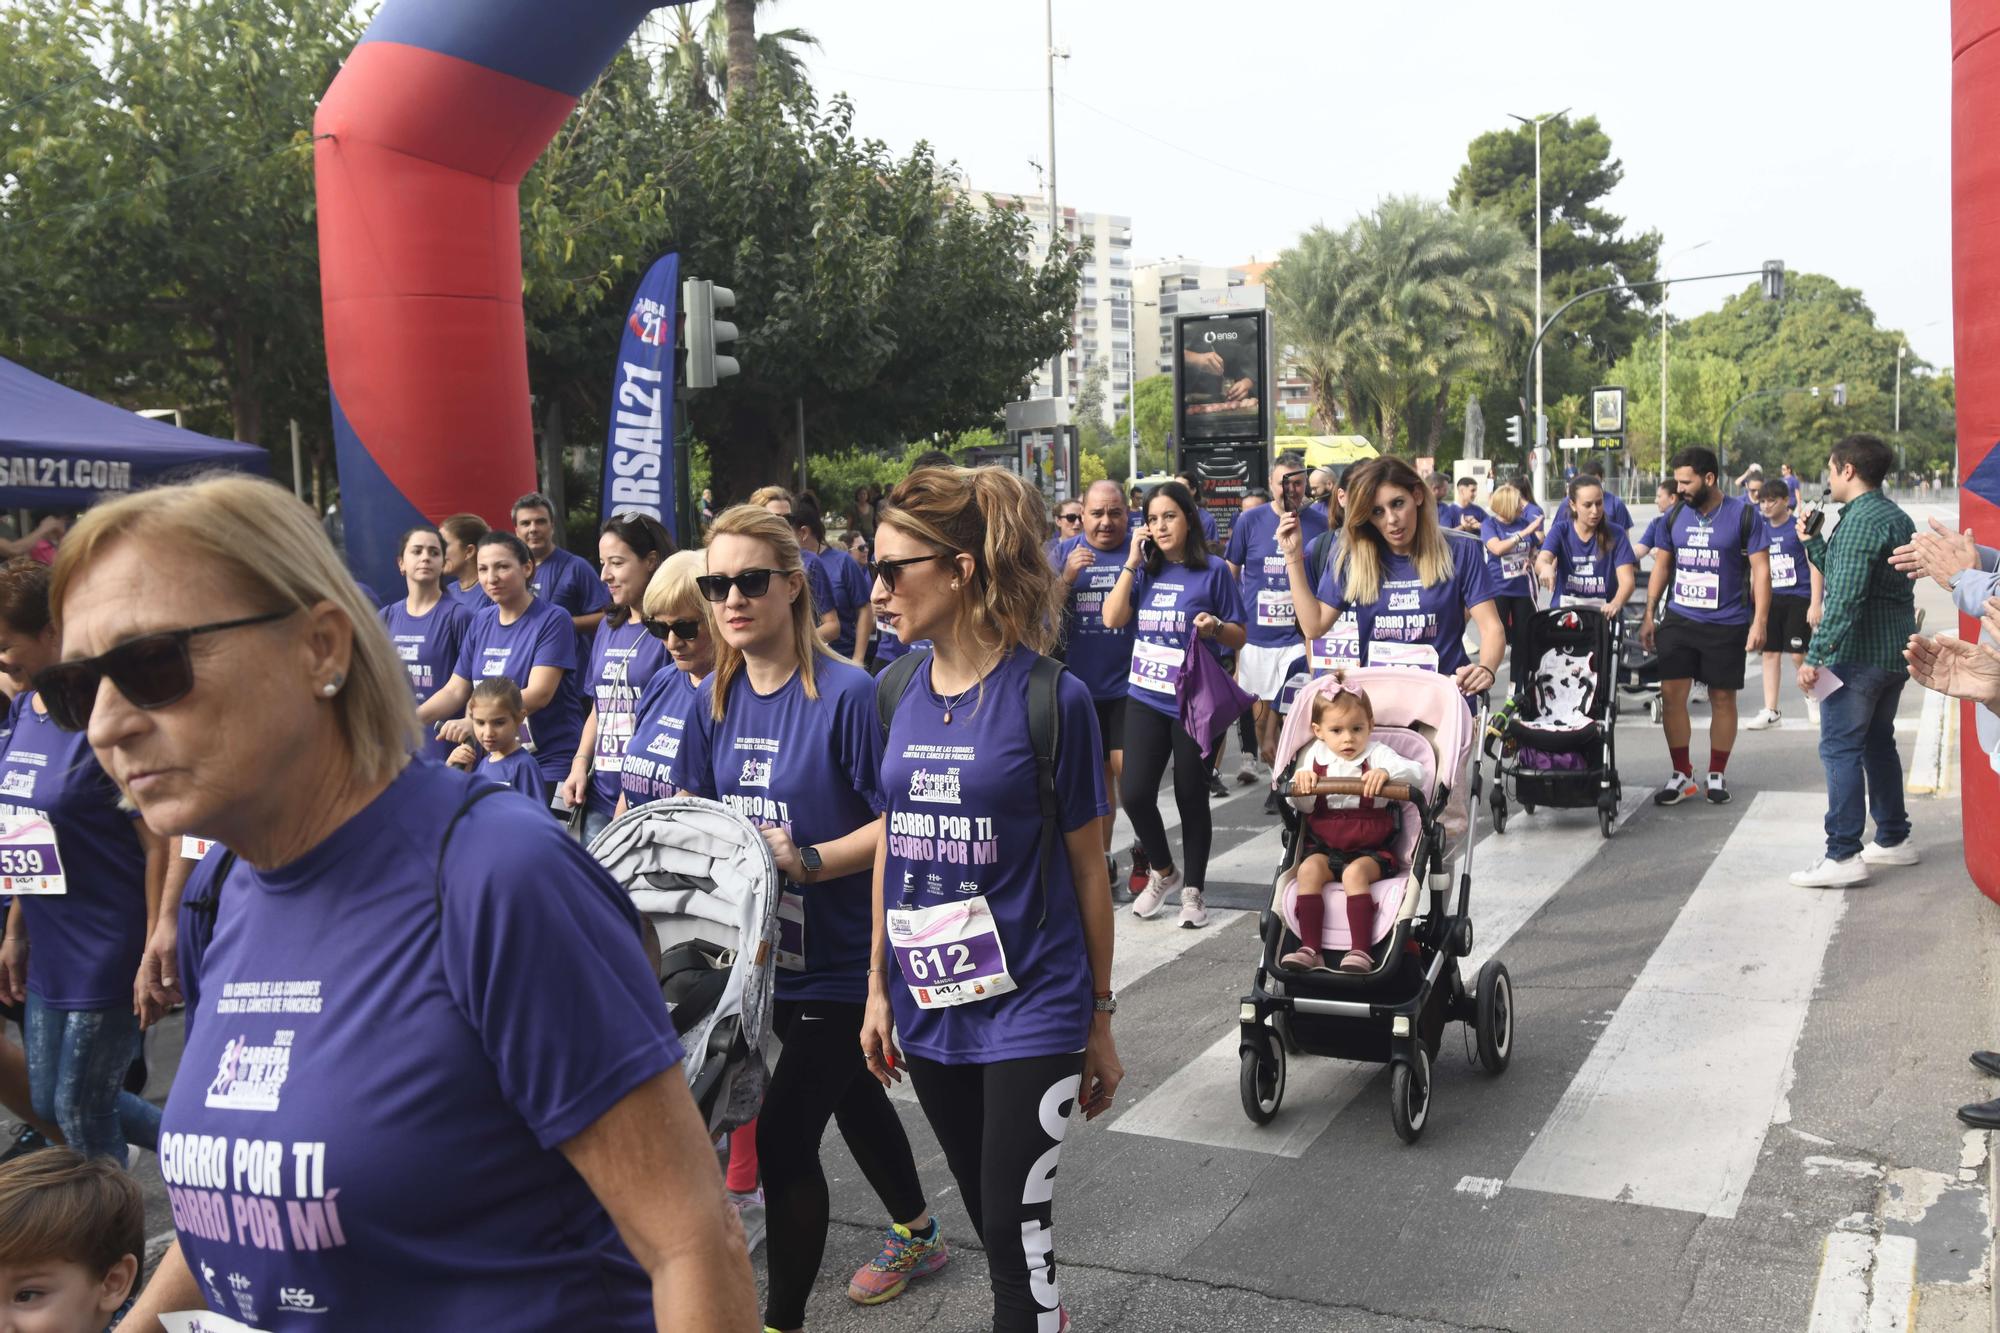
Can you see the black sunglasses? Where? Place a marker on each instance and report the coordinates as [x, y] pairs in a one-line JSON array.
[[688, 630], [754, 583], [152, 671], [1069, 518], [890, 570]]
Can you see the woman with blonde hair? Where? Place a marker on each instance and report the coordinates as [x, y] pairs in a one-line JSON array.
[[502, 1154], [992, 948], [1512, 534], [673, 612], [1410, 585], [785, 733]]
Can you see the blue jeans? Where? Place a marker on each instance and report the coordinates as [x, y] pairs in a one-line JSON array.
[[1857, 747], [76, 1076], [594, 823]]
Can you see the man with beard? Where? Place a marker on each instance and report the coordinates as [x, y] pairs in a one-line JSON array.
[[1711, 585]]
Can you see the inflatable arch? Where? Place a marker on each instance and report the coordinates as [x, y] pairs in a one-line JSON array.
[[1975, 262], [428, 129]]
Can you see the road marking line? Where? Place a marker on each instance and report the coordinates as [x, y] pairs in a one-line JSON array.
[[1927, 763], [1840, 1298], [1892, 1286], [1199, 1103], [1486, 1187], [1672, 1105]]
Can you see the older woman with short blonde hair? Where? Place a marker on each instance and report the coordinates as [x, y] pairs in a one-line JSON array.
[[377, 1107]]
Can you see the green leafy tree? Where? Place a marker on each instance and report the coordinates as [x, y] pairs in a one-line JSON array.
[[1584, 245], [1153, 402]]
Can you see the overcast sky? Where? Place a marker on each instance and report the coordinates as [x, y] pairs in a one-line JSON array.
[[1818, 134]]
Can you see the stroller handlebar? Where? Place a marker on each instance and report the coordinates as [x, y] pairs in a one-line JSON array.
[[1391, 791]]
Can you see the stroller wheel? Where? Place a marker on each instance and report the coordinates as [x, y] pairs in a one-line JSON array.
[[1493, 1016], [1261, 1080], [1410, 1095], [1656, 711], [1604, 821], [1499, 810]]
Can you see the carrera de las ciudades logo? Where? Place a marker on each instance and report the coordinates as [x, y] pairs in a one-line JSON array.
[[250, 1078], [937, 787]]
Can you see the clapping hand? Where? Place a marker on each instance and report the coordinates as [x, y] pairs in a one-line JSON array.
[[1939, 554], [1952, 666]]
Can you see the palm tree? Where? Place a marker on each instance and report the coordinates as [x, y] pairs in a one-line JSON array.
[[749, 57]]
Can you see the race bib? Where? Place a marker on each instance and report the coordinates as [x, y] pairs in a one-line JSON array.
[[29, 862], [1515, 565], [202, 1321], [194, 849], [1784, 570], [1417, 656], [1574, 599], [1274, 608], [614, 734], [1699, 589], [791, 932], [950, 954], [1156, 666], [1336, 651]]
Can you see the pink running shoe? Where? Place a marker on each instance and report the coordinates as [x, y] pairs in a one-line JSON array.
[[905, 1255]]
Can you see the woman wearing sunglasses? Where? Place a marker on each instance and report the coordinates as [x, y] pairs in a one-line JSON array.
[[523, 638], [966, 889], [623, 661], [451, 1145], [84, 872], [427, 626], [674, 615], [786, 733], [1172, 593]]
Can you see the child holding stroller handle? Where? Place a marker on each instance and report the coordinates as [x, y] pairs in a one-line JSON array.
[[1354, 834]]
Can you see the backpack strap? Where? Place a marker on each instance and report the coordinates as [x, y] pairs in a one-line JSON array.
[[890, 685], [1045, 738], [1743, 538], [1316, 556], [474, 797]]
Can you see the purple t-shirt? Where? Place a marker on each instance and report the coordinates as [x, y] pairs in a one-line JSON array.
[[543, 636], [1265, 588], [849, 584], [888, 647], [1791, 576], [368, 1111], [84, 942], [623, 661], [473, 599], [1655, 535], [572, 583], [518, 771], [1408, 622], [1163, 622], [965, 821], [1097, 655], [428, 646], [1512, 574], [1711, 577], [660, 718], [819, 584], [1615, 513], [1583, 570], [811, 767]]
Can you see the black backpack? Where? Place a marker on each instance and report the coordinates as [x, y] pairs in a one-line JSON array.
[[1044, 737]]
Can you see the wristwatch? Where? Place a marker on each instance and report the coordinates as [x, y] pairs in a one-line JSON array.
[[1106, 1003], [809, 858]]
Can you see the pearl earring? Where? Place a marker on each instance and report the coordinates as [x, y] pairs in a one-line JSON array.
[[329, 689]]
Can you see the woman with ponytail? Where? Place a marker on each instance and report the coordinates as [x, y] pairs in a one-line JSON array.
[[1588, 560], [785, 733], [992, 947]]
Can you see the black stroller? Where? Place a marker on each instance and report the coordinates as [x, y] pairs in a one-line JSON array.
[[1555, 743], [1638, 670]]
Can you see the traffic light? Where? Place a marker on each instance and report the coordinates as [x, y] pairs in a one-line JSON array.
[[701, 298], [1514, 431], [1774, 280]]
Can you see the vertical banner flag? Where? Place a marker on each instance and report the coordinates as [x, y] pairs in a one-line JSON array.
[[639, 444]]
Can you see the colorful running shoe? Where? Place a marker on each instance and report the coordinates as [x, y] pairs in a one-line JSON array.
[[905, 1255], [1680, 787], [1152, 899]]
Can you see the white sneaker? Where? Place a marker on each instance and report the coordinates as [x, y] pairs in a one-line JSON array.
[[750, 1211], [1829, 874], [1152, 899], [1902, 854], [1766, 719], [1699, 694], [1193, 915], [1246, 772]]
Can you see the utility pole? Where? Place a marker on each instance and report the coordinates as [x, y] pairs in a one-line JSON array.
[[1055, 219], [1902, 350], [1540, 433]]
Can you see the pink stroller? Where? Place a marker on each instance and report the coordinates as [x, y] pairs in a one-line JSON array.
[[1396, 1012]]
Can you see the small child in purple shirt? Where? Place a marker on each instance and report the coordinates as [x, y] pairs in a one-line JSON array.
[[497, 712]]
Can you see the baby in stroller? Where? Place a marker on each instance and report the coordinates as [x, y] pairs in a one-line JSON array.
[[1351, 838]]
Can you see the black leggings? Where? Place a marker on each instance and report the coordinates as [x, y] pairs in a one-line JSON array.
[[1515, 613], [1151, 739], [1001, 1127], [819, 1077]]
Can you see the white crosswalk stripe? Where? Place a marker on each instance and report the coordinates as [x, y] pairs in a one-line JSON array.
[[1674, 1101]]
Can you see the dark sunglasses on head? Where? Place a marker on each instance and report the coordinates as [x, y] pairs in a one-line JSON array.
[[890, 570], [152, 671], [688, 630], [754, 583]]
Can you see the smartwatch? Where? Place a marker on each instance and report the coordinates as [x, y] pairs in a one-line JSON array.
[[809, 858], [1106, 1003]]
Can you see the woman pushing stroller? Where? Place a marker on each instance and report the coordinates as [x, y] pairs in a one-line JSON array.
[[1352, 837]]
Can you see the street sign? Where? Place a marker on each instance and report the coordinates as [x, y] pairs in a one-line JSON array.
[[1576, 442], [1607, 410]]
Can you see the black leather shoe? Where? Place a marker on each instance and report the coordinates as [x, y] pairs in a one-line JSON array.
[[1987, 1062], [1981, 1115]]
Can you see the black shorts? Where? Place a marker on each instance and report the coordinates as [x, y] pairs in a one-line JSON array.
[[1110, 725], [1697, 650], [1785, 627], [17, 1013]]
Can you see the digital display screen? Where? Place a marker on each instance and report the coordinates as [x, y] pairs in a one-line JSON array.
[[1220, 378]]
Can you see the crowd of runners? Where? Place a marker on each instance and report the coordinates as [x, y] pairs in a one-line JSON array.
[[428, 1081]]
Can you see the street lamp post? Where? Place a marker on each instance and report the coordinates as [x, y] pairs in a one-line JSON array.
[[1663, 353], [1540, 436], [1902, 350]]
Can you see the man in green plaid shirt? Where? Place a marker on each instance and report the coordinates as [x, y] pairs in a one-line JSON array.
[[1869, 614]]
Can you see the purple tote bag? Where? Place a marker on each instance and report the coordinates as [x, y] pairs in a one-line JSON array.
[[1210, 701]]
